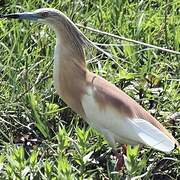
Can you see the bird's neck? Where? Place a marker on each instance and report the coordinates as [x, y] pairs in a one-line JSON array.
[[71, 40], [69, 72]]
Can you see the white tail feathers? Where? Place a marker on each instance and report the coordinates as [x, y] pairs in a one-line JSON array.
[[152, 136]]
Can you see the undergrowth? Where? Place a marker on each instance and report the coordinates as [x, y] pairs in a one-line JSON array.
[[40, 137]]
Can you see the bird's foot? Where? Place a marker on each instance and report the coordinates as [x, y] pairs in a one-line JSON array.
[[120, 158], [120, 162]]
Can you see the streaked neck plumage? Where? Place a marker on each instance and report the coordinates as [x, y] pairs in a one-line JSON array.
[[69, 66]]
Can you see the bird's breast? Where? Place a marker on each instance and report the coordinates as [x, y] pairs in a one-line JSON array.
[[68, 80]]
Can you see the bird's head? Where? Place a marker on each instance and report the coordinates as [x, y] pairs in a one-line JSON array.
[[44, 15]]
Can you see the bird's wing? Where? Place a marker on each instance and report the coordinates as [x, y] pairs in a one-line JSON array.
[[110, 108]]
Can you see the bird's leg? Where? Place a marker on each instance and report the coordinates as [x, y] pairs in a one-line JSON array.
[[124, 148], [119, 156], [120, 159]]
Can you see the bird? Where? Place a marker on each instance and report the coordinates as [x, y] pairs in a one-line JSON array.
[[105, 107]]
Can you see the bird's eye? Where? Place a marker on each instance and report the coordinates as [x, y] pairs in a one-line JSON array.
[[44, 14]]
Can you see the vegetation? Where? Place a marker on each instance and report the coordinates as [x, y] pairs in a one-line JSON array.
[[40, 137]]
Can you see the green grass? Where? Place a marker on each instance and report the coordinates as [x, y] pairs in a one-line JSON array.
[[41, 138]]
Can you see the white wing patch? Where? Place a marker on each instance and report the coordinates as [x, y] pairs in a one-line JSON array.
[[117, 128]]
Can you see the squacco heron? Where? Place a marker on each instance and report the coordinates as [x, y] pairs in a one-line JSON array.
[[104, 106]]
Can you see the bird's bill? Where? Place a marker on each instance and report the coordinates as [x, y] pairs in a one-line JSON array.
[[25, 15]]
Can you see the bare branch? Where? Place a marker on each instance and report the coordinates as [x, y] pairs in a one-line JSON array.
[[129, 40]]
